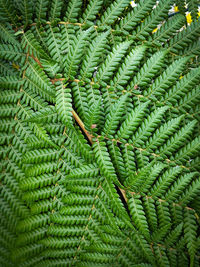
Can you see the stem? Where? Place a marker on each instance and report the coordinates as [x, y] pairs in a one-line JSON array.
[[80, 123]]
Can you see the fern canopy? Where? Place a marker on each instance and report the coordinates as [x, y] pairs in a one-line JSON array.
[[99, 133]]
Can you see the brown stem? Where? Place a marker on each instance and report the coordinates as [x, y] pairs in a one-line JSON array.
[[80, 123]]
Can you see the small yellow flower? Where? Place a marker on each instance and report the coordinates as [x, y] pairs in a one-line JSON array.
[[189, 18], [176, 9], [181, 77], [155, 30]]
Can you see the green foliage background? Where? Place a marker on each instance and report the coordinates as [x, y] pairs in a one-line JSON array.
[[99, 134]]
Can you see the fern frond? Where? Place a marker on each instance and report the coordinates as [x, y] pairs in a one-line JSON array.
[[113, 117], [63, 103], [178, 187], [56, 7], [190, 100], [185, 37], [129, 162], [192, 49], [164, 219], [150, 212], [104, 161], [151, 177], [32, 99], [75, 53], [177, 141], [93, 55], [7, 12], [36, 79], [10, 82], [135, 16], [112, 61], [162, 134], [37, 156], [174, 235], [163, 183], [117, 206], [91, 11], [30, 237], [51, 67], [182, 87], [150, 22], [26, 10], [133, 120], [9, 96], [168, 29], [41, 8], [148, 71], [138, 215], [113, 11], [73, 10], [166, 79], [190, 229], [94, 119], [188, 152], [7, 34], [128, 68], [80, 99], [43, 116], [117, 159], [6, 69], [190, 192], [161, 256], [148, 126], [12, 53], [31, 46], [53, 42]]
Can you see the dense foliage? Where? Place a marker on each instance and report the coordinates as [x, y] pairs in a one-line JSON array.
[[99, 134]]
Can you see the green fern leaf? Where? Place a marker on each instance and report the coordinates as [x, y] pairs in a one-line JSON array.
[[128, 67], [148, 71], [93, 55], [185, 37], [113, 11], [133, 120], [167, 79], [168, 29], [53, 42], [7, 34], [138, 215], [135, 16], [104, 161], [91, 11], [26, 10], [63, 103], [106, 70], [113, 118], [73, 9], [150, 22], [176, 141], [148, 126], [7, 12], [162, 184], [178, 187], [75, 53], [56, 7], [190, 229], [41, 9]]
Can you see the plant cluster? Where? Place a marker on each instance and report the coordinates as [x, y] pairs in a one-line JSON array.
[[99, 134]]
